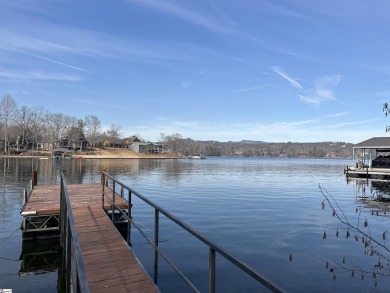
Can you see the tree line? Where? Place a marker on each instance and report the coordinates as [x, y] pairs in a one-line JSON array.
[[32, 126], [187, 146]]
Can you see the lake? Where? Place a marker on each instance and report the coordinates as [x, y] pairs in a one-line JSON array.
[[265, 211]]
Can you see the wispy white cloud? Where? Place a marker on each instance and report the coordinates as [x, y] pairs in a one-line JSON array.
[[184, 14], [339, 114], [271, 6], [281, 131], [89, 45], [346, 125], [39, 75], [322, 91], [223, 15], [91, 102], [265, 73], [58, 62], [385, 94], [199, 19], [202, 71], [294, 83], [251, 88]]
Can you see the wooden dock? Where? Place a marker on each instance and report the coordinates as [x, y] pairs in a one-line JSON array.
[[368, 173], [109, 263]]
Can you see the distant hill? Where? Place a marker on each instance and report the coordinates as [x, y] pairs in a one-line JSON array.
[[252, 142], [255, 148]]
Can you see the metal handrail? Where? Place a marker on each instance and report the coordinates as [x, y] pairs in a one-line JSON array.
[[73, 265], [213, 248]]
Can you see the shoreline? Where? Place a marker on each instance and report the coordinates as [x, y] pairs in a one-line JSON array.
[[104, 153]]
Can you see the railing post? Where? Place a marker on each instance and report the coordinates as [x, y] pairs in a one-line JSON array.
[[121, 195], [103, 185], [68, 268], [156, 232], [113, 201], [61, 215], [211, 270], [129, 223], [63, 227]]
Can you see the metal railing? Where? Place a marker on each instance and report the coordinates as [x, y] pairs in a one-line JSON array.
[[72, 262], [213, 248]]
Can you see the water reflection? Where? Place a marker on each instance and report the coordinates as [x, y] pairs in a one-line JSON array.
[[373, 195], [40, 257], [260, 210]]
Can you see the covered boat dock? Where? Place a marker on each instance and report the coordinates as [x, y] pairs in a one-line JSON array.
[[372, 159], [61, 153]]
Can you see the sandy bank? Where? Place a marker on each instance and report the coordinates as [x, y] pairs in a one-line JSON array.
[[106, 153]]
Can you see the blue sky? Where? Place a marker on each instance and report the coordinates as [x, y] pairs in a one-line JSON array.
[[276, 71]]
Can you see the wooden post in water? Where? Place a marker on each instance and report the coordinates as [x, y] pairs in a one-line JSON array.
[[24, 196], [34, 179]]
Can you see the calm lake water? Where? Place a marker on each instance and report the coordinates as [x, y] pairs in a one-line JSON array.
[[261, 210]]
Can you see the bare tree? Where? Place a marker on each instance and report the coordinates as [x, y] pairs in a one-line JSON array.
[[23, 117], [114, 131], [37, 124], [55, 124], [8, 107], [373, 244], [93, 127], [173, 142], [76, 132]]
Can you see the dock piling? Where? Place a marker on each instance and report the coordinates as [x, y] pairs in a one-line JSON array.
[[34, 179]]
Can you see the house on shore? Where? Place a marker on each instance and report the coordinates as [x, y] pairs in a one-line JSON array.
[[112, 142], [66, 143], [146, 148], [133, 143], [131, 140], [17, 148]]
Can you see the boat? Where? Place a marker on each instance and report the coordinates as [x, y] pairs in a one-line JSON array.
[[196, 156]]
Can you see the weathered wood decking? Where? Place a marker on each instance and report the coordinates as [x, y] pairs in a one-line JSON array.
[[46, 199], [109, 262]]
